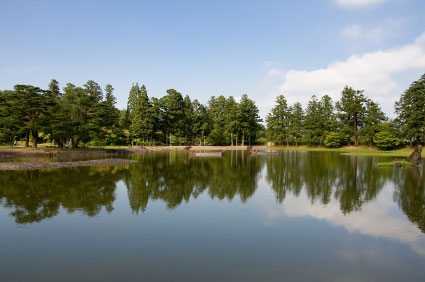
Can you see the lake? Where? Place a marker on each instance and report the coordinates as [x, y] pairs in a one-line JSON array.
[[291, 216]]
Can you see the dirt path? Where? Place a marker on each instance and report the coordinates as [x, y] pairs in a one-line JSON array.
[[42, 165]]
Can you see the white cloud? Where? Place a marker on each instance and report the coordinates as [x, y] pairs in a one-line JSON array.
[[358, 3], [358, 37], [356, 32], [376, 72]]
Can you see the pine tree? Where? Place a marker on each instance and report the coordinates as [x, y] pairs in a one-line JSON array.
[[372, 120], [278, 121], [351, 109]]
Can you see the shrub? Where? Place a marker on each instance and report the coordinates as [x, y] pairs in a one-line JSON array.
[[335, 140], [386, 140]]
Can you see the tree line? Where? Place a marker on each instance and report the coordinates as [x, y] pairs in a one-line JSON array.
[[352, 119], [76, 115], [88, 115]]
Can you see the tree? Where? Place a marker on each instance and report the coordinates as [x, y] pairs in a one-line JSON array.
[[231, 118], [335, 139], [248, 118], [312, 124], [278, 121], [387, 137], [351, 109], [31, 104], [172, 114], [411, 111], [296, 119], [141, 116], [217, 113], [372, 120], [11, 123], [59, 124], [188, 118], [201, 121]]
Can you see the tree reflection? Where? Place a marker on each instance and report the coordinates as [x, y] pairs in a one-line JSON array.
[[326, 175], [174, 177], [37, 195], [410, 195]]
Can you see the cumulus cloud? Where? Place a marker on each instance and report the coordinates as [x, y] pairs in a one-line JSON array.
[[357, 3], [378, 73]]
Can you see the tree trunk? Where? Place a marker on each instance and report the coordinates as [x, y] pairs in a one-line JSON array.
[[415, 157], [34, 135], [27, 140], [237, 137], [287, 141], [411, 143], [356, 137], [77, 142], [296, 142], [243, 139], [231, 139], [349, 141], [371, 143]]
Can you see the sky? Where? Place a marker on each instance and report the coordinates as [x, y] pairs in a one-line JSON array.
[[211, 48]]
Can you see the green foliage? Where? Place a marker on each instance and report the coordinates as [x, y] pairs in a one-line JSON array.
[[372, 121], [411, 111], [335, 140], [387, 137], [351, 109], [319, 120], [88, 115], [278, 121]]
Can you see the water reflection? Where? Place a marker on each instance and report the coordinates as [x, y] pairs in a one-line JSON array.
[[410, 195], [329, 179], [173, 178], [37, 195]]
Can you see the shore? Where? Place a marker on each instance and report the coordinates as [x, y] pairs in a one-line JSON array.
[[45, 165], [118, 150], [64, 153]]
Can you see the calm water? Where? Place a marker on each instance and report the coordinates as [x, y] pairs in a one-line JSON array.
[[293, 216]]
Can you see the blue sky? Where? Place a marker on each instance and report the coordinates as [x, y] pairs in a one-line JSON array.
[[205, 48]]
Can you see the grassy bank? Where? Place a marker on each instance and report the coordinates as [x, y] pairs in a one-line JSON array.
[[353, 151]]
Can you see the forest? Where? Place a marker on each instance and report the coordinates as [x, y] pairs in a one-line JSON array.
[[77, 116]]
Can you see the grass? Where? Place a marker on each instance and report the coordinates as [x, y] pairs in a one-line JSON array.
[[353, 151], [395, 163]]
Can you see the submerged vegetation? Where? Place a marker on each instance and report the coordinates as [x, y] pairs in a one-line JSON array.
[[87, 115]]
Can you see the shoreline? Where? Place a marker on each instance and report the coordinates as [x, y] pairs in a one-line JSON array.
[[47, 165], [116, 151]]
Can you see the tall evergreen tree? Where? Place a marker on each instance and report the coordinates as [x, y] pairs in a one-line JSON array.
[[296, 119], [32, 104], [372, 121], [351, 109], [278, 121], [231, 119], [312, 123], [248, 119], [411, 111]]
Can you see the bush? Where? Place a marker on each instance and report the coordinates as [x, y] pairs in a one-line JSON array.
[[386, 140], [335, 140]]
